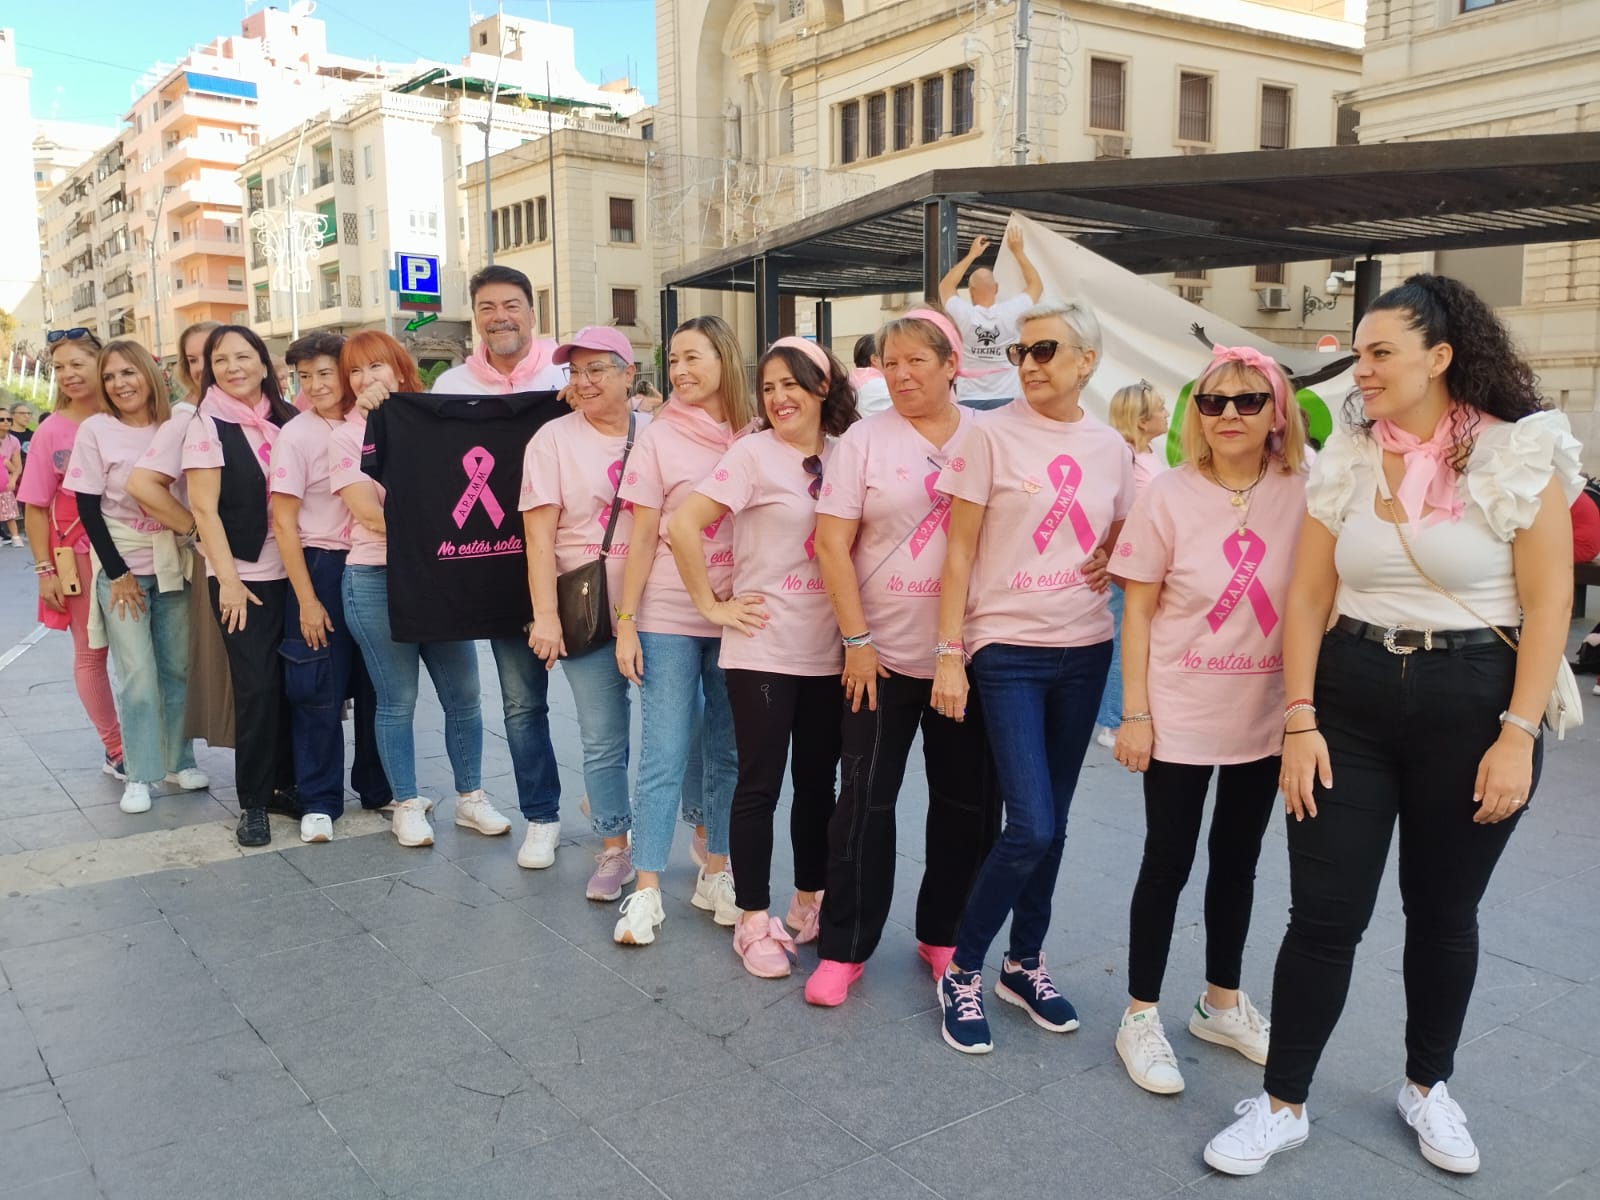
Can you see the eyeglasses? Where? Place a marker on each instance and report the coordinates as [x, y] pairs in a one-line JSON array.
[[1042, 352], [594, 372], [71, 335], [812, 463], [1212, 404]]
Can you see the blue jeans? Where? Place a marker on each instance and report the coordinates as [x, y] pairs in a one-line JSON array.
[[601, 695], [693, 806], [151, 654], [317, 682], [676, 667], [1038, 706], [1110, 714], [453, 667], [525, 698]]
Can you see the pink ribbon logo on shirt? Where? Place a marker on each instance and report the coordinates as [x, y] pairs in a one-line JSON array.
[[938, 517], [710, 530], [1066, 476], [614, 478], [477, 463], [1244, 552]]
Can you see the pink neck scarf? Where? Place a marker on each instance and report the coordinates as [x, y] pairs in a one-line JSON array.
[[1429, 479], [219, 404], [522, 375]]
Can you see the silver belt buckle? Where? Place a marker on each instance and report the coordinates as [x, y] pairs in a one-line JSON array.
[[1388, 641]]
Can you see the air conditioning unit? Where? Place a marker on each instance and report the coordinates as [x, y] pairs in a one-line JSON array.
[[1113, 145], [1272, 299]]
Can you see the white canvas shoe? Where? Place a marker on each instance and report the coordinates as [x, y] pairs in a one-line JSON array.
[[1247, 1145]]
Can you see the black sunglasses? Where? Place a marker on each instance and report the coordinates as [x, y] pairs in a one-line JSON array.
[[813, 467], [1042, 352], [71, 335], [1211, 404]]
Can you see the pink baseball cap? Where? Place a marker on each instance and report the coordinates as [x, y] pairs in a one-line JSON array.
[[595, 337]]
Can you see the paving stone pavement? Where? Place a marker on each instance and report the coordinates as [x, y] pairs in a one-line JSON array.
[[358, 1019]]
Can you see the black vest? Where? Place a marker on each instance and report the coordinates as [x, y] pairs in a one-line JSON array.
[[242, 501]]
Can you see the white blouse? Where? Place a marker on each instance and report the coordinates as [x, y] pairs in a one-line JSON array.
[[1512, 462]]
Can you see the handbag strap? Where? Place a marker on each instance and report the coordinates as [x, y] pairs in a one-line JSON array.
[[61, 535], [1405, 544], [611, 521]]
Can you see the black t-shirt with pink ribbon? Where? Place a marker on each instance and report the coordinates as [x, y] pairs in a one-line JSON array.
[[452, 470]]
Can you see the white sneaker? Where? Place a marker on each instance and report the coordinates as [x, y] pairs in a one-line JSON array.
[[641, 917], [1441, 1128], [410, 822], [475, 812], [190, 779], [1143, 1047], [17, 541], [1242, 1028], [714, 894], [316, 827], [539, 845], [135, 797], [1244, 1147], [1105, 737]]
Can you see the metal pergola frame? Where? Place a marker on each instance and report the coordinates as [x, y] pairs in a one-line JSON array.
[[1186, 212]]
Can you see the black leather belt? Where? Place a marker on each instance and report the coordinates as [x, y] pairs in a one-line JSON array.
[[1399, 640]]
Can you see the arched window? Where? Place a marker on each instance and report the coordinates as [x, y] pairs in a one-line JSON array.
[[786, 117]]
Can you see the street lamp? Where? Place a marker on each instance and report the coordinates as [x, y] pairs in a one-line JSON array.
[[290, 238], [156, 241]]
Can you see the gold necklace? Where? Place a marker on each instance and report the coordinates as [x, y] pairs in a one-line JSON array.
[[1241, 497]]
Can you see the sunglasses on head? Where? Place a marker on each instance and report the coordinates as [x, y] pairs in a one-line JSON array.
[[1212, 404], [1042, 352], [812, 463], [71, 335]]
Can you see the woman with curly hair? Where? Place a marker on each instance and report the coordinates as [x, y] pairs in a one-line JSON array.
[[1438, 525], [781, 653]]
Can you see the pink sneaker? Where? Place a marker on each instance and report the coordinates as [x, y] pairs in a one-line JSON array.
[[765, 948], [829, 985], [804, 920], [937, 957], [614, 869]]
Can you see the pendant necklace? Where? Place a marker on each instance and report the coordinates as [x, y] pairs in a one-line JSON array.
[[1241, 497]]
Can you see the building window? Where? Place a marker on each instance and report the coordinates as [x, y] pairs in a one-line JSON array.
[[235, 278], [1274, 118], [621, 219], [1192, 276], [366, 161], [905, 115], [541, 308], [516, 224], [850, 131], [961, 100], [372, 224], [1269, 273], [932, 108], [786, 120], [375, 278], [877, 117], [624, 306], [1107, 91], [647, 132], [1475, 5], [1194, 107]]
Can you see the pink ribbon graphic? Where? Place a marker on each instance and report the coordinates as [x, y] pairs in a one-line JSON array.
[[477, 463], [1244, 551], [937, 519], [1066, 475], [811, 545], [614, 478], [710, 530]]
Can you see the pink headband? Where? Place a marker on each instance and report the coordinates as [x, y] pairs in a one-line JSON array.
[[946, 327], [814, 352], [1268, 369]]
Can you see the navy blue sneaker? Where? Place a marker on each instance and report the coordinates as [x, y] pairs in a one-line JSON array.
[[1027, 985], [961, 997]]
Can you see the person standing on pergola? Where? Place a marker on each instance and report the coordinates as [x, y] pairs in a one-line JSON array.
[[988, 324]]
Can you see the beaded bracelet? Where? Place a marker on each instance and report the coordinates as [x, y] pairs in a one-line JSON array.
[[860, 639], [1135, 718], [1298, 706], [942, 649]]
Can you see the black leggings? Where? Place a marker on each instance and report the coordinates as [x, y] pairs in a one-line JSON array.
[[1174, 804], [1405, 735], [263, 756], [770, 710]]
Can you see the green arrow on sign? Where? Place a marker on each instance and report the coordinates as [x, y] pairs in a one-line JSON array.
[[421, 319]]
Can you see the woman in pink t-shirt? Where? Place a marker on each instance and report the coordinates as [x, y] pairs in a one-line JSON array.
[[664, 645], [140, 578], [1040, 489], [1206, 558], [880, 545], [227, 459], [52, 522], [321, 663], [781, 653], [10, 477]]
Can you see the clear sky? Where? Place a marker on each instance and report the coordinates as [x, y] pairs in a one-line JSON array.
[[86, 54]]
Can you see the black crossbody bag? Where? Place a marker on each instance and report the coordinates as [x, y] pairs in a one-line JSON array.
[[582, 602]]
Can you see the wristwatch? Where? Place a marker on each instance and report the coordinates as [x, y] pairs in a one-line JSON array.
[[1528, 727]]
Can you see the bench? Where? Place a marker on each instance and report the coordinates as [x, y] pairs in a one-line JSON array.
[[1584, 576]]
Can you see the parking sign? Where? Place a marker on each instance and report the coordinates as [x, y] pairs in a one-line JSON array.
[[417, 281]]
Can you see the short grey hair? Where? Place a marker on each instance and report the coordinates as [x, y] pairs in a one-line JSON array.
[[612, 357], [1078, 317]]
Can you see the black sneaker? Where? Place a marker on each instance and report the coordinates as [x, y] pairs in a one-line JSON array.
[[961, 997], [114, 767], [1027, 985], [254, 829], [286, 802]]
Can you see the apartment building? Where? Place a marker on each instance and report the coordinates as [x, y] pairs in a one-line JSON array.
[[771, 112], [1501, 68]]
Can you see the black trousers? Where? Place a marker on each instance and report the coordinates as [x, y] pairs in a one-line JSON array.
[[263, 756], [769, 712], [1405, 735], [963, 818], [1174, 804]]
